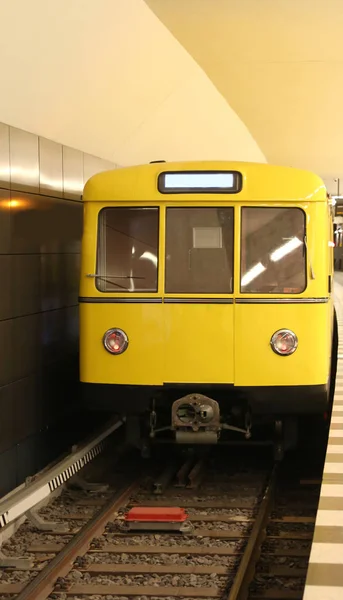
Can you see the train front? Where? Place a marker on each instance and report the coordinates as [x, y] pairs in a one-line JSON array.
[[205, 297]]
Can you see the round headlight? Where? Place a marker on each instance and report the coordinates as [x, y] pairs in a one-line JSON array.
[[284, 342], [115, 341]]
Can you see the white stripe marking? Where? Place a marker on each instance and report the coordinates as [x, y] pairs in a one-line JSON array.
[[336, 419], [27, 503], [327, 553], [336, 433], [330, 518], [322, 592], [331, 467], [332, 449], [332, 490]]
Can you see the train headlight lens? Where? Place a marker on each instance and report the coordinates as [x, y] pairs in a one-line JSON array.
[[115, 341], [284, 342]]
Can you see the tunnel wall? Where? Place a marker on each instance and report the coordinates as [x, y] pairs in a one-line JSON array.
[[40, 231]]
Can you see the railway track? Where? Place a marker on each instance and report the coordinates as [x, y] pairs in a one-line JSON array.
[[280, 573], [230, 511], [251, 531]]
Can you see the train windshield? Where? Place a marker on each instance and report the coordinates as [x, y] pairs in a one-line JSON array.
[[199, 250], [273, 252], [128, 250]]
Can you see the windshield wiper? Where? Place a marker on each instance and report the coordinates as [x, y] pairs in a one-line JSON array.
[[108, 278], [96, 275]]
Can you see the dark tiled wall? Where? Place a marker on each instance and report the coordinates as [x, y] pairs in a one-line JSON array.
[[40, 231]]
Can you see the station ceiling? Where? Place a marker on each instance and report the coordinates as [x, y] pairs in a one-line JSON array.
[[138, 80]]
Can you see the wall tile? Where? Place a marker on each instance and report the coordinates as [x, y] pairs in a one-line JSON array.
[[42, 224], [4, 156], [24, 164], [5, 221], [70, 267], [6, 296], [7, 357], [50, 168], [27, 400], [53, 390], [70, 218], [72, 173], [26, 333], [8, 470], [27, 222], [40, 240], [52, 336], [71, 330], [52, 276], [7, 412], [26, 284]]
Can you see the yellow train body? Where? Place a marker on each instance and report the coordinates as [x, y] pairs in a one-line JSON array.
[[202, 340]]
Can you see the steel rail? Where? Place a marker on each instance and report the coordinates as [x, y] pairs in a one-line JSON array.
[[245, 572], [44, 584]]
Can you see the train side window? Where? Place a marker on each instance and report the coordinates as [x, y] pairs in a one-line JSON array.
[[199, 250], [128, 250], [273, 252]]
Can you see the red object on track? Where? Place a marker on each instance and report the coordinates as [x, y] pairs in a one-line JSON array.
[[156, 514]]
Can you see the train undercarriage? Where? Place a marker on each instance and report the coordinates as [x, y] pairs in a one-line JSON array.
[[196, 419]]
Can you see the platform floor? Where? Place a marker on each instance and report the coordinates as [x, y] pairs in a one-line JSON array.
[[325, 572]]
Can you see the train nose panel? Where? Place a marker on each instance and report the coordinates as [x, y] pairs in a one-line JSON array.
[[199, 341]]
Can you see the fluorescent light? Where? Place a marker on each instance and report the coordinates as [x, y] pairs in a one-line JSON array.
[[285, 249], [252, 273]]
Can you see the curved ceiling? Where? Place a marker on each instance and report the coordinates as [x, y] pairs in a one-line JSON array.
[[107, 77], [138, 80], [279, 64]]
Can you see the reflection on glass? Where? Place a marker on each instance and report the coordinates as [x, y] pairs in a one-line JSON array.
[[128, 250], [149, 256], [253, 273], [273, 258], [199, 250], [285, 249]]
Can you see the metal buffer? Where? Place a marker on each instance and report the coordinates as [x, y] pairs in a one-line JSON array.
[[158, 519]]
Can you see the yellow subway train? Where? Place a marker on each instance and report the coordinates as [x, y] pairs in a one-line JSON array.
[[206, 305]]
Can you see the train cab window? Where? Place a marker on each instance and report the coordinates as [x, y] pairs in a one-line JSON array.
[[199, 251], [128, 250], [273, 252]]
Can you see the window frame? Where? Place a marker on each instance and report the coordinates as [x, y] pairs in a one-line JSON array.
[[278, 293], [98, 246], [201, 205]]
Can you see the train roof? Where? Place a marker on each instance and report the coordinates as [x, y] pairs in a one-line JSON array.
[[259, 182]]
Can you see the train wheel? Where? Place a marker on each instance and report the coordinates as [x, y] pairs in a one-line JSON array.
[[136, 435], [290, 433], [279, 449], [133, 430]]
